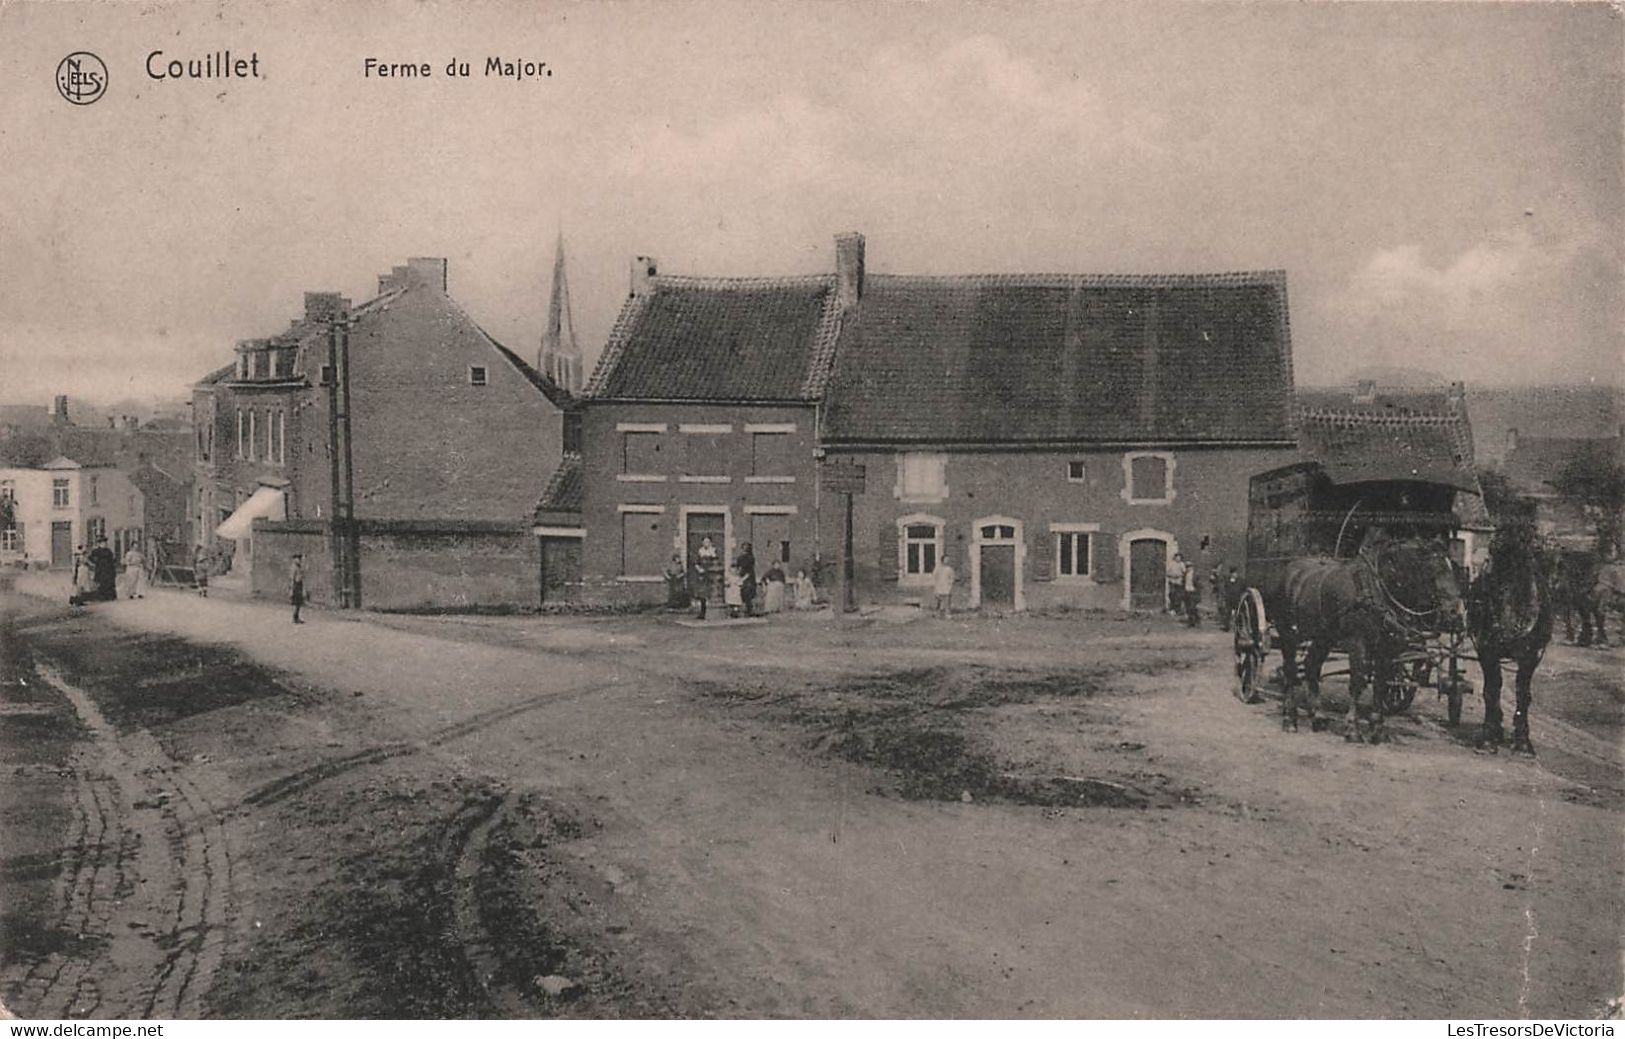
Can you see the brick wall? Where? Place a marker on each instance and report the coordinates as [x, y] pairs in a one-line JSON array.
[[1032, 491], [408, 566], [735, 489], [428, 445]]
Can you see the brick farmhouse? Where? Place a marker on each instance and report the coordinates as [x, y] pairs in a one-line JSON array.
[[1057, 437]]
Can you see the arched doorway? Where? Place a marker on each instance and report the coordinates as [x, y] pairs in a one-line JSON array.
[[1145, 554], [997, 558]]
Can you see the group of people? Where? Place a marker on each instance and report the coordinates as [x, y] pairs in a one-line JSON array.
[[741, 591], [96, 573], [1185, 591]]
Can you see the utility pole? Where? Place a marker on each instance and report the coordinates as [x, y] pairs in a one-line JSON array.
[[335, 534], [352, 539], [845, 479]]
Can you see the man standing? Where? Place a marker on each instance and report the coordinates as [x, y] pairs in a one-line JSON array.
[[104, 565], [943, 585], [296, 583], [1176, 584]]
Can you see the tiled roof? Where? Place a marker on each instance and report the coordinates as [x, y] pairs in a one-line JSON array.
[[991, 359], [551, 390], [722, 339], [563, 491], [1374, 440]]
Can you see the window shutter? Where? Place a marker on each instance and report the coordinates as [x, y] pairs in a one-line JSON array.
[[1041, 555], [1108, 566], [886, 563]]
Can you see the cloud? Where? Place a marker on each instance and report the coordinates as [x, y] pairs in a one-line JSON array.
[[971, 106], [1494, 311], [1490, 275]]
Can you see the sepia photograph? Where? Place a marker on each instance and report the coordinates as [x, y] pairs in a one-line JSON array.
[[812, 510]]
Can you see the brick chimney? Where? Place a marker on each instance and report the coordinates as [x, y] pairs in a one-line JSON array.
[[324, 306], [848, 270], [59, 410], [428, 270], [644, 270]]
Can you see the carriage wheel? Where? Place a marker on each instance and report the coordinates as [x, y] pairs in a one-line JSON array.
[[1251, 641]]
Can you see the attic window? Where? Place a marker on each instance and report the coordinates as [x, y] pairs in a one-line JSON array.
[[1076, 471], [476, 375], [327, 375]]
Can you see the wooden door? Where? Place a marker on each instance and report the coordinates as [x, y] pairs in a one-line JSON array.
[[998, 575], [1147, 574], [61, 545]]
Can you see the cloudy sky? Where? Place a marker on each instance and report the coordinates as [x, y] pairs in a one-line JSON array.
[[1441, 182]]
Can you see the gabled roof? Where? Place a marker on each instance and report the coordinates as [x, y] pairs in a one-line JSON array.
[[562, 496], [1427, 436], [61, 462], [721, 339], [1056, 359], [551, 390]]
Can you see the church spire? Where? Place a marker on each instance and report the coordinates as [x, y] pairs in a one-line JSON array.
[[560, 357]]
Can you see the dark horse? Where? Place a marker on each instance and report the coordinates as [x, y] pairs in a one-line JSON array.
[[1389, 598], [1510, 613], [1578, 582]]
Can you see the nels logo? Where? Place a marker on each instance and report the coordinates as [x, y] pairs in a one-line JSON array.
[[81, 78]]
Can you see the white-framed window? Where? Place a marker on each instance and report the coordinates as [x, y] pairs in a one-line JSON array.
[[8, 490], [10, 540], [242, 433], [1074, 550], [242, 366], [95, 529], [1077, 471], [1148, 477], [59, 492], [478, 375], [922, 476], [95, 496], [253, 432], [270, 434], [326, 375], [919, 547], [281, 438]]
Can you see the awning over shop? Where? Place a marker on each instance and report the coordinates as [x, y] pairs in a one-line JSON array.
[[268, 502]]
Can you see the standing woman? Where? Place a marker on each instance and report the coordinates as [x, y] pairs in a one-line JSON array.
[[135, 571], [746, 566], [104, 569]]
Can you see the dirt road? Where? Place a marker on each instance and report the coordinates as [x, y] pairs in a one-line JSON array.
[[212, 812]]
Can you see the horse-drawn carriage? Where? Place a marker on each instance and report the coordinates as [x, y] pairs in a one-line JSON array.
[[1354, 556]]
